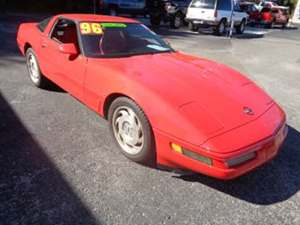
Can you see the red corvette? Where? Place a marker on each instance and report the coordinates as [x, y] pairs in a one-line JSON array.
[[163, 106]]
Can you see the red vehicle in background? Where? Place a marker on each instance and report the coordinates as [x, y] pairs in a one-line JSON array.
[[251, 10], [274, 16]]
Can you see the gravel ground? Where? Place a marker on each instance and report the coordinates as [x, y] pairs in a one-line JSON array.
[[59, 165]]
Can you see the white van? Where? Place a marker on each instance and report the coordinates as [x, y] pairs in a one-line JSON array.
[[215, 13]]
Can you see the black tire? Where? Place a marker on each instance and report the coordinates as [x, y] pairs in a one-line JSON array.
[[147, 153], [193, 27], [219, 29], [176, 21], [241, 27], [285, 24], [155, 21], [271, 25], [39, 80]]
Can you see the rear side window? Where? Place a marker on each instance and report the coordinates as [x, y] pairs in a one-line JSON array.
[[224, 5], [205, 4], [42, 25]]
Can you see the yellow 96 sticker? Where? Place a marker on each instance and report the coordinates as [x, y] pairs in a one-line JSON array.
[[91, 28]]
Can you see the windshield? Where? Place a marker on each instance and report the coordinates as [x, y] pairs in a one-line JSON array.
[[120, 39]]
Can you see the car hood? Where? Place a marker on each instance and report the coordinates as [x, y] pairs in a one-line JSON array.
[[210, 97]]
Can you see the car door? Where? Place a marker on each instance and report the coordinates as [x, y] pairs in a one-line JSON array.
[[224, 9], [64, 69], [238, 14]]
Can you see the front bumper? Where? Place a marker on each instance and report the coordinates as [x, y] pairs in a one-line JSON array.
[[265, 150]]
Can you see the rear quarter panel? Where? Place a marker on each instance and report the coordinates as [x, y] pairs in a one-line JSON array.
[[28, 33]]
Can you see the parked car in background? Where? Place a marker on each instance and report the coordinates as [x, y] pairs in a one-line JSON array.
[[274, 16], [168, 11], [216, 14], [252, 10], [267, 4], [132, 7]]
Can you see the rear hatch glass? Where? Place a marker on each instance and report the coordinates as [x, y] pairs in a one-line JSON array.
[[205, 4]]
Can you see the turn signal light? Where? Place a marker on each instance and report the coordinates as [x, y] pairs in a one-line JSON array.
[[177, 148]]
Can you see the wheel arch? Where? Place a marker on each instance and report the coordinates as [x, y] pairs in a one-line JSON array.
[[109, 99], [224, 19], [26, 47]]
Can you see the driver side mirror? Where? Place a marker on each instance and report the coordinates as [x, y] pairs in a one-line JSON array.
[[69, 49]]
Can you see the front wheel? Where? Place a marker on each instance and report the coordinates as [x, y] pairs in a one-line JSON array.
[[132, 130], [34, 71]]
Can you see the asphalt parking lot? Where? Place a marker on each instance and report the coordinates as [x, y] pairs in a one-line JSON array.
[[59, 165]]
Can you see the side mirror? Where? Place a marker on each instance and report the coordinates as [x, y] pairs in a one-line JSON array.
[[69, 49]]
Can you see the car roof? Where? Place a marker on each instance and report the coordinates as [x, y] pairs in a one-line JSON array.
[[97, 18]]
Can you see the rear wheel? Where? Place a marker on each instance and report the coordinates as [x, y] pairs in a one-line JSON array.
[[221, 28], [132, 130], [271, 25], [177, 21], [193, 27], [241, 27], [34, 71]]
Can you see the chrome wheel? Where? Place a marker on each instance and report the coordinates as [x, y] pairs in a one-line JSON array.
[[33, 68], [128, 130]]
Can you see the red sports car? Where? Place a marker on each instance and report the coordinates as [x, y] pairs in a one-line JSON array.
[[163, 106], [274, 16]]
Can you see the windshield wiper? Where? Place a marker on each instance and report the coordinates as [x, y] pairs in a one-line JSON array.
[[129, 54]]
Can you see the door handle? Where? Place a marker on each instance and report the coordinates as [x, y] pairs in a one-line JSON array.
[[44, 45]]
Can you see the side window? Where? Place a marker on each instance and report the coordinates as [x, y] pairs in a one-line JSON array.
[[65, 32], [42, 25], [224, 5], [237, 8]]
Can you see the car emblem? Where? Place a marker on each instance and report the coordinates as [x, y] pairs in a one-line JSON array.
[[248, 111]]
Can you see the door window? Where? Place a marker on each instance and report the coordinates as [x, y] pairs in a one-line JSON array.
[[65, 32], [224, 5]]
